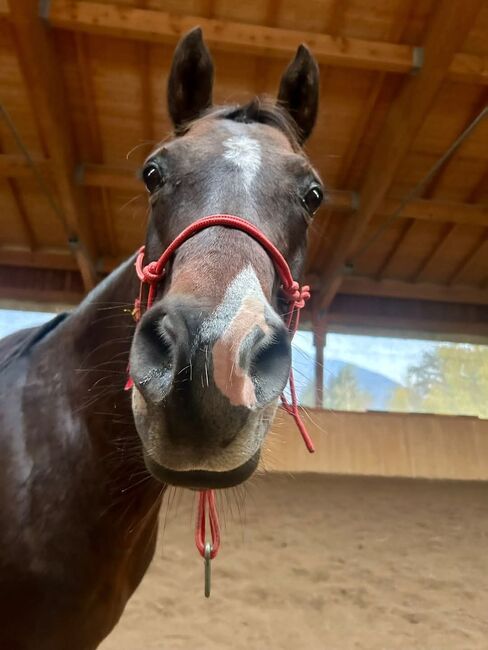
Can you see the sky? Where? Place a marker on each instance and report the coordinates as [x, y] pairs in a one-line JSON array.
[[389, 356]]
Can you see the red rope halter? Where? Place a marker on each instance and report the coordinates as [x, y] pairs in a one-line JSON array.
[[153, 273]]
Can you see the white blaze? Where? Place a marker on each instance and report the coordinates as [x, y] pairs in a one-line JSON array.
[[245, 153]]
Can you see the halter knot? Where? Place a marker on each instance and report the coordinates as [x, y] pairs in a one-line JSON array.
[[297, 295], [151, 274]]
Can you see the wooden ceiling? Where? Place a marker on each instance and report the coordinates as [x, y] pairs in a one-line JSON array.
[[83, 86]]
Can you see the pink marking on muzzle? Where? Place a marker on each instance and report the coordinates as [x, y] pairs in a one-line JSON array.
[[233, 381]]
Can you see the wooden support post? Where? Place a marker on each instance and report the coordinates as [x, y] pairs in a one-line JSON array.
[[319, 340]]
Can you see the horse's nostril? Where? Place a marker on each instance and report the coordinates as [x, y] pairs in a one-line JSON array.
[[270, 365], [153, 358]]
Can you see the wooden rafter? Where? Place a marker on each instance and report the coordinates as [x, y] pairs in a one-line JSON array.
[[44, 85], [447, 32], [95, 139], [437, 180], [360, 129]]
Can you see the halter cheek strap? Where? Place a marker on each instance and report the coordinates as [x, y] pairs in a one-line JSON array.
[[153, 273]]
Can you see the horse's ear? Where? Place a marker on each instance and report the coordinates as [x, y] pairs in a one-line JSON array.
[[190, 80], [299, 91]]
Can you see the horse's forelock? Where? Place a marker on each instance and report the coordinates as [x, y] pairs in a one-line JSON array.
[[259, 110]]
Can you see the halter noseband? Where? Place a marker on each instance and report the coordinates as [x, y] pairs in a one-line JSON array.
[[153, 273]]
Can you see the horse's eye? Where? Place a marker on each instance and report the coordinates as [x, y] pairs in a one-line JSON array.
[[313, 199], [152, 177]]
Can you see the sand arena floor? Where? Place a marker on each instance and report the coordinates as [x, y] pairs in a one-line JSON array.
[[323, 563]]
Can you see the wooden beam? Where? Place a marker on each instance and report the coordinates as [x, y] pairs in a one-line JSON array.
[[116, 178], [447, 32], [16, 166], [43, 258], [44, 84], [160, 26], [123, 178], [365, 286], [437, 211], [60, 259], [469, 68]]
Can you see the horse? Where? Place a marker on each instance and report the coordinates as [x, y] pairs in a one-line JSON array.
[[84, 462]]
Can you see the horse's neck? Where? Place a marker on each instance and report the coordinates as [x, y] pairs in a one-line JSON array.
[[101, 331]]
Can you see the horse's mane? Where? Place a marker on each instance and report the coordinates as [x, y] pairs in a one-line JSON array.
[[262, 110], [19, 343]]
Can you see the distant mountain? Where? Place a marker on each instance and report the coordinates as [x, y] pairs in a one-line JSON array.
[[376, 384]]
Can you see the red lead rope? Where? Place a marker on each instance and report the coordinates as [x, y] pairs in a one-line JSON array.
[[152, 274], [207, 497]]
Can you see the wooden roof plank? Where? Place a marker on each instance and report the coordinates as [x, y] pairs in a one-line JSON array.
[[160, 26], [392, 253], [22, 215], [447, 32], [43, 81], [479, 250], [447, 238]]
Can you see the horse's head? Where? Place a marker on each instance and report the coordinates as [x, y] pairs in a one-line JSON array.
[[212, 355]]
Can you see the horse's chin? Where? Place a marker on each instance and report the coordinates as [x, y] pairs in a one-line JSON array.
[[205, 461], [202, 479]]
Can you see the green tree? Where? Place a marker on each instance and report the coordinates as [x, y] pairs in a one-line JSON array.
[[453, 379], [343, 393]]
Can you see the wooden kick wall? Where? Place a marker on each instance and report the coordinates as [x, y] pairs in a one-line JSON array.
[[382, 444]]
